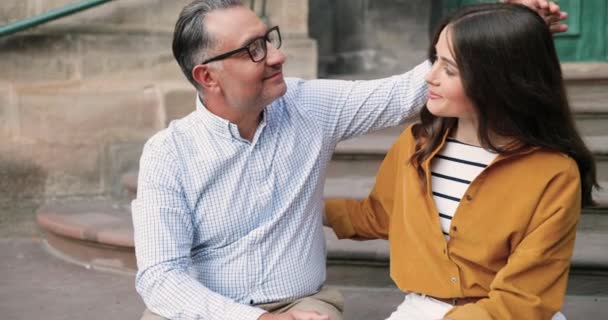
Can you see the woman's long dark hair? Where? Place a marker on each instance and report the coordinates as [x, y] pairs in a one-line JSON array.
[[510, 71]]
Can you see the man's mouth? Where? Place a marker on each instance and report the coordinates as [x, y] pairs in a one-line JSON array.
[[274, 75]]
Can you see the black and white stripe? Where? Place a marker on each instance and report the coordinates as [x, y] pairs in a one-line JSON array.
[[452, 171]]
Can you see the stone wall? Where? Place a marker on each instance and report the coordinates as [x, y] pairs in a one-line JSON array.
[[80, 96]]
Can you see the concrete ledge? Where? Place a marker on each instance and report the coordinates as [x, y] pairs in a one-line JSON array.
[[99, 221], [341, 182], [100, 233], [379, 142], [585, 70]]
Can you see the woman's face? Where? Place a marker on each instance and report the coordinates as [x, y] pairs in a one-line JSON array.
[[446, 97]]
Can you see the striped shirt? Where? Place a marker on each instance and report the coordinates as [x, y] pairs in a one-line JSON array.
[[222, 224], [452, 170]]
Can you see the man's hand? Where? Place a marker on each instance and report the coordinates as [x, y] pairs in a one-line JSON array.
[[294, 315], [548, 10]]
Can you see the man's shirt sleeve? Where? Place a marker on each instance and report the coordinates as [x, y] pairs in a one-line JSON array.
[[345, 109]]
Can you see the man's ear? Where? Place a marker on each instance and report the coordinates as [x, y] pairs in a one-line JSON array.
[[205, 76]]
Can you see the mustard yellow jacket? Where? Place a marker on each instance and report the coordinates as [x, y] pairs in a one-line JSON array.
[[511, 238]]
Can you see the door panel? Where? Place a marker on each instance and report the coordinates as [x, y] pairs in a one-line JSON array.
[[587, 35]]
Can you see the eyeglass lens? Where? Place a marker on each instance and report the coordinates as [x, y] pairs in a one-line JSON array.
[[258, 48]]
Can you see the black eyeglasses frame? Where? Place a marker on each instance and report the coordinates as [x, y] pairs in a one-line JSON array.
[[246, 48]]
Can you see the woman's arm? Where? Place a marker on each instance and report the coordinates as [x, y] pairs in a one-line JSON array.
[[369, 218]]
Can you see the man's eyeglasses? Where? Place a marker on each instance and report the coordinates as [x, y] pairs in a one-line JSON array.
[[257, 48]]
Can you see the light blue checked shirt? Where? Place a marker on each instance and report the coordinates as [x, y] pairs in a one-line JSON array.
[[222, 224]]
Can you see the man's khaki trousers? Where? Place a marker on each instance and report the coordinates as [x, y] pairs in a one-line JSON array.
[[328, 301]]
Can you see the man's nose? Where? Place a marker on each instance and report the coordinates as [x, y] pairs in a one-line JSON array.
[[274, 56]]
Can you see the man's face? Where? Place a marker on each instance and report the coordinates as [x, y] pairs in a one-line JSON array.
[[245, 84]]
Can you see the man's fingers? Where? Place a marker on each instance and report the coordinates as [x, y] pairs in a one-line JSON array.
[[542, 4], [553, 8], [558, 27], [554, 18]]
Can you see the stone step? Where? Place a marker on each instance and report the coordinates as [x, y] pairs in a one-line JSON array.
[[355, 179], [376, 144], [98, 233]]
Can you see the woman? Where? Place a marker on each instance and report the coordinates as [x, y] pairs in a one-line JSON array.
[[481, 198]]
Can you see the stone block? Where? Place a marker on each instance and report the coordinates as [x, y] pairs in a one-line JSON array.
[[291, 15], [112, 54], [120, 159], [154, 14], [178, 102], [301, 55], [588, 96], [88, 113], [38, 58], [13, 10], [8, 113], [20, 177], [35, 170]]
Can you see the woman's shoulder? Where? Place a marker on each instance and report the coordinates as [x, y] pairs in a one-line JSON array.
[[551, 161], [407, 139]]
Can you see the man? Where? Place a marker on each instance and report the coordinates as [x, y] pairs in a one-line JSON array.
[[228, 217]]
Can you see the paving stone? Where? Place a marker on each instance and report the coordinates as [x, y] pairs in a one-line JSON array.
[[39, 286], [36, 285]]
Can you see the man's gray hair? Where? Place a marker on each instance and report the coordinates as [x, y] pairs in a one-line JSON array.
[[191, 41]]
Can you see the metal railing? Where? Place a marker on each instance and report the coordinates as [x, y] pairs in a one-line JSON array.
[[49, 16]]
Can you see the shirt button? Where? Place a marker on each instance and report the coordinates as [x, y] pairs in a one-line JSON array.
[[453, 279], [468, 197], [455, 228]]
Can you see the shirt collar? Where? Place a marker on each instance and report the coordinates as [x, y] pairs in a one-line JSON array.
[[221, 126]]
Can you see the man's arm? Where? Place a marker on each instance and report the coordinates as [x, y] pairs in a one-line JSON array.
[[343, 109]]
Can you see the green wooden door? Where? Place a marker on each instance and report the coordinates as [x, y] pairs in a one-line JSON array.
[[587, 36]]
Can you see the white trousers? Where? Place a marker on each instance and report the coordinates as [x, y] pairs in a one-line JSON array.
[[420, 307]]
